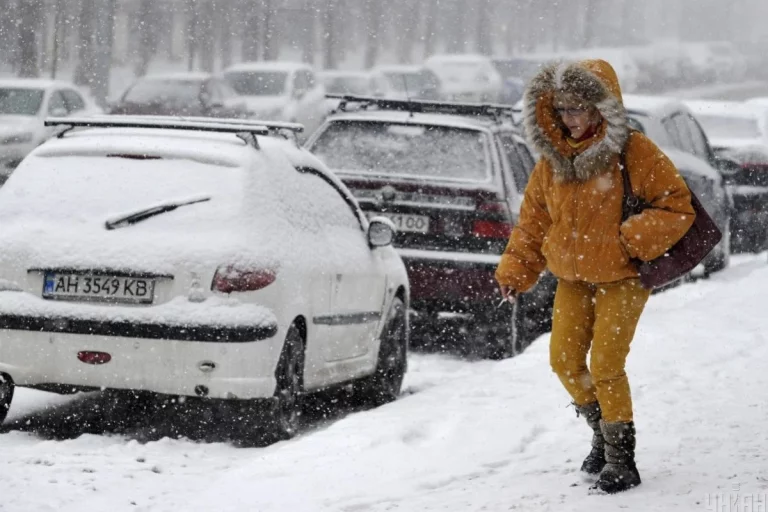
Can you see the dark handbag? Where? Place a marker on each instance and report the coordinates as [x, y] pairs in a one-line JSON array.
[[686, 254]]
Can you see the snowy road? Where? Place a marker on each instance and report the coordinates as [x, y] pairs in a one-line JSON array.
[[466, 436]]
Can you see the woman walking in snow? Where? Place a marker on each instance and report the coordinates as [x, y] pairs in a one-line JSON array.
[[571, 222]]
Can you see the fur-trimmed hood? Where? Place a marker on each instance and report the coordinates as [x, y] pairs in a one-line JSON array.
[[595, 82]]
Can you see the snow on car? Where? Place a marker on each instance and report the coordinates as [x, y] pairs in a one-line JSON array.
[[466, 77], [24, 104], [189, 261]]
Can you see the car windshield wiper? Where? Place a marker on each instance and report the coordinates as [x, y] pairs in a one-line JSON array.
[[145, 214]]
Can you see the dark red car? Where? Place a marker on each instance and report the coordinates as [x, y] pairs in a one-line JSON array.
[[451, 178]]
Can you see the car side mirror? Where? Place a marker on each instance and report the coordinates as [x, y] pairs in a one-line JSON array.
[[727, 166], [381, 232]]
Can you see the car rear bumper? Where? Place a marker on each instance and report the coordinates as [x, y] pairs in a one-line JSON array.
[[49, 358], [450, 280]]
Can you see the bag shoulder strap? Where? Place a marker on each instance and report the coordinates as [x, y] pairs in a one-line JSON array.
[[631, 202]]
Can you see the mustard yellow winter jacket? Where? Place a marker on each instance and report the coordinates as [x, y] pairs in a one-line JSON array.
[[570, 219]]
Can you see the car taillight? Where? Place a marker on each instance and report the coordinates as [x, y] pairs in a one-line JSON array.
[[231, 279], [491, 229]]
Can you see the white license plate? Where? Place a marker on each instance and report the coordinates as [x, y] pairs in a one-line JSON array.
[[99, 288], [405, 222]]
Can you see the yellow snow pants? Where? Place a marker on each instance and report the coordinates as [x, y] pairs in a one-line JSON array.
[[603, 317]]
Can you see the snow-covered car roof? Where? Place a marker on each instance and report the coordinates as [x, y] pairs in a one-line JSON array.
[[192, 75], [692, 164], [35, 83], [286, 66], [448, 120], [335, 73], [397, 68], [656, 106], [722, 108]]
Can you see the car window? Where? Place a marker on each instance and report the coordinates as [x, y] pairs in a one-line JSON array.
[[381, 148], [700, 143], [20, 101], [672, 132], [225, 90], [686, 140], [309, 77], [515, 161], [215, 96], [74, 101], [57, 104], [163, 91], [528, 159], [257, 83], [332, 204]]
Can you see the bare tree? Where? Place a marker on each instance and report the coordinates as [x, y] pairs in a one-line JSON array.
[[330, 34], [406, 29], [225, 22], [250, 39], [191, 29], [308, 34], [30, 14], [483, 27], [271, 44], [147, 31], [206, 24], [373, 16], [456, 26], [431, 27]]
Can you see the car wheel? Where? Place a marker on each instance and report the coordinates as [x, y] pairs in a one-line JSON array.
[[283, 421], [721, 259], [385, 384], [6, 395], [506, 332]]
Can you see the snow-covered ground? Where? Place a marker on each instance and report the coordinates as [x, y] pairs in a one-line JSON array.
[[465, 436]]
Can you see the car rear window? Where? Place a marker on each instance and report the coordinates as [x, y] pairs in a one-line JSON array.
[[729, 127], [257, 83], [411, 150]]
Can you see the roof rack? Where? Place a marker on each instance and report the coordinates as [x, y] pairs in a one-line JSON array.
[[492, 110], [244, 128]]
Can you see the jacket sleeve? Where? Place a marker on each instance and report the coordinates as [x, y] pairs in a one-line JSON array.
[[655, 179], [522, 261]]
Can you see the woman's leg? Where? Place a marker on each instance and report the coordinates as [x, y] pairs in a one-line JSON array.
[[618, 307], [571, 337]]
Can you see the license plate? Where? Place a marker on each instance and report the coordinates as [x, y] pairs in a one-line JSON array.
[[98, 288], [405, 222]]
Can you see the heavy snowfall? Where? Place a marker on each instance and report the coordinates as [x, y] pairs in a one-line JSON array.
[[222, 289]]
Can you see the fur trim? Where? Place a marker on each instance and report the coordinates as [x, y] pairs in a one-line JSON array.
[[538, 105]]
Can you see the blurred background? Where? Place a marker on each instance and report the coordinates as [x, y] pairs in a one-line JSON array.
[[105, 44]]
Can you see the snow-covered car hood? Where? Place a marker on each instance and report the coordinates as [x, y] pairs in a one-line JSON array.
[[11, 125]]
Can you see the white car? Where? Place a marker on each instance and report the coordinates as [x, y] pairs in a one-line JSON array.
[[404, 82], [344, 82], [24, 104], [280, 91], [466, 77], [197, 261]]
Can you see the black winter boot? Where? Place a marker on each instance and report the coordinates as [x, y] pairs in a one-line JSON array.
[[620, 472], [595, 461]]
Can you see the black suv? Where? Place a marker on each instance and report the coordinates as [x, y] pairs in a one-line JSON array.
[[451, 178]]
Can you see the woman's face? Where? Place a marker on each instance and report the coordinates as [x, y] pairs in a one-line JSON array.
[[577, 116]]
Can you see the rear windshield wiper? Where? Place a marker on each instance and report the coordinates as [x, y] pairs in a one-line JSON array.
[[145, 214]]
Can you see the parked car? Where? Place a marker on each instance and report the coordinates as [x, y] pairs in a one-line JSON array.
[[180, 94], [24, 104], [739, 132], [342, 83], [280, 91], [622, 61], [466, 77], [451, 177], [404, 82], [671, 125], [208, 260]]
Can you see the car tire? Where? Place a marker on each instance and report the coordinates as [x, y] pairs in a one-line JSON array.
[[6, 395], [505, 336], [283, 418], [721, 259], [385, 384]]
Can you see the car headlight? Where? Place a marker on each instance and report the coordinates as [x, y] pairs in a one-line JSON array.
[[18, 138]]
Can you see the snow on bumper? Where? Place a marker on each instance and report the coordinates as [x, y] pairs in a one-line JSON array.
[[230, 348]]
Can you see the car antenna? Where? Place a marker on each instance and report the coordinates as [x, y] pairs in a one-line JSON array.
[[407, 95]]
